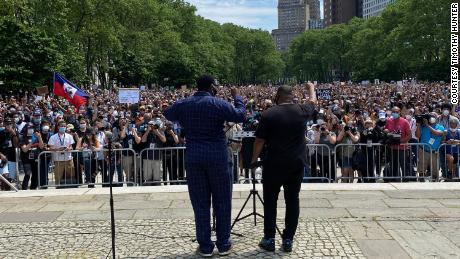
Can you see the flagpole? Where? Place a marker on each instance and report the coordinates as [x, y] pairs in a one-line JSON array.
[[54, 78]]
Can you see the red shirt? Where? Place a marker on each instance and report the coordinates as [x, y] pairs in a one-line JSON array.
[[399, 126]]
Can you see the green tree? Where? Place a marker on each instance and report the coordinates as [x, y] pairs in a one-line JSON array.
[[27, 55]]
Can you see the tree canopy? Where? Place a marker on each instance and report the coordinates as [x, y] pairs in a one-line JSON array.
[[134, 42], [127, 43], [409, 39]]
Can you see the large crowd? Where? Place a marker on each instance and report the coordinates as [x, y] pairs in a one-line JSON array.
[[42, 132]]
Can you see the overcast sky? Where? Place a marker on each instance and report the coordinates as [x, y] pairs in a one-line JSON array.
[[255, 14]]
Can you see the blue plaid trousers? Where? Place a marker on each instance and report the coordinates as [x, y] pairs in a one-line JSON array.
[[208, 178]]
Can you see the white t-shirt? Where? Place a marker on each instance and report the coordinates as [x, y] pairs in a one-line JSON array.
[[413, 127], [58, 141], [100, 136], [21, 126]]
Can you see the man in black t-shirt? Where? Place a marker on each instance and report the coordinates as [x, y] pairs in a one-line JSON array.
[[9, 141], [170, 162], [282, 131], [153, 138]]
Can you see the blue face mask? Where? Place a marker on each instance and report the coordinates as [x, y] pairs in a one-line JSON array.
[[37, 121], [2, 129], [62, 129], [395, 115]]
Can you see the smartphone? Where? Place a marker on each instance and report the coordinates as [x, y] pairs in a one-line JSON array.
[[30, 132]]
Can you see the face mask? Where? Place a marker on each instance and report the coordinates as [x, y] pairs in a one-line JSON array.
[[432, 120], [445, 112], [2, 129], [62, 129], [36, 121], [82, 126], [408, 117], [16, 120], [395, 115], [46, 128]]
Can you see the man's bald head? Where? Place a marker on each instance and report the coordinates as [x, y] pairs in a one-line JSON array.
[[284, 94], [284, 91]]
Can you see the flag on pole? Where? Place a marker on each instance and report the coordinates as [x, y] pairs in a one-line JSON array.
[[66, 89]]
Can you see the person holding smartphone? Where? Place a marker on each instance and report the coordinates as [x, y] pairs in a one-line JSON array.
[[129, 138], [153, 138]]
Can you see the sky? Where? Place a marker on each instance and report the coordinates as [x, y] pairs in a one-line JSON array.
[[255, 14]]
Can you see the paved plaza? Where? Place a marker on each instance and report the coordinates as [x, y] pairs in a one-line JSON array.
[[413, 220]]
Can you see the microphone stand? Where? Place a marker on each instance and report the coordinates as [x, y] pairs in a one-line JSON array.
[[112, 212], [252, 194]]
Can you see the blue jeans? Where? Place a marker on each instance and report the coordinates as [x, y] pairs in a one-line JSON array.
[[12, 170]]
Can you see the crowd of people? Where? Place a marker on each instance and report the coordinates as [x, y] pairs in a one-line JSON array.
[[39, 131]]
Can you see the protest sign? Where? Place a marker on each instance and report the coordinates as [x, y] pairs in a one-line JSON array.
[[324, 94], [128, 95], [43, 90]]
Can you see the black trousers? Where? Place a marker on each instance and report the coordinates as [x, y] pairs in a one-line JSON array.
[[273, 179]]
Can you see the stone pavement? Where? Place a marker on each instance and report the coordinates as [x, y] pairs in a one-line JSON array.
[[399, 220]]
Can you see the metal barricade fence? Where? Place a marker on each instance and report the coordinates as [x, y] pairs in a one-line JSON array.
[[162, 166], [380, 162], [320, 164], [449, 159], [87, 167]]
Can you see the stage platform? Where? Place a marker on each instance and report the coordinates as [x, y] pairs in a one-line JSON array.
[[385, 220]]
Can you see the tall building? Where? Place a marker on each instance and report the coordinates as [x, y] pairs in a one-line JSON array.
[[315, 21], [374, 7], [295, 17], [341, 11]]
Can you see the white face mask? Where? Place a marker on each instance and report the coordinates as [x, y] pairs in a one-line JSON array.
[[432, 120], [445, 112], [408, 117]]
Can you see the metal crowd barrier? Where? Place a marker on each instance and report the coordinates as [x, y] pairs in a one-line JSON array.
[[377, 162], [320, 164], [345, 162], [449, 161], [86, 167], [162, 166]]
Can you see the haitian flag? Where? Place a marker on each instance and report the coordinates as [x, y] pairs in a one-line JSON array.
[[66, 89]]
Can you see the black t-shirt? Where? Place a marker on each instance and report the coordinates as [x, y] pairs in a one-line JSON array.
[[153, 141], [169, 140], [7, 147], [283, 129]]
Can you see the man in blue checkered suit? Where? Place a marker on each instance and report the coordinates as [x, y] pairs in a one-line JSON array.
[[202, 117]]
